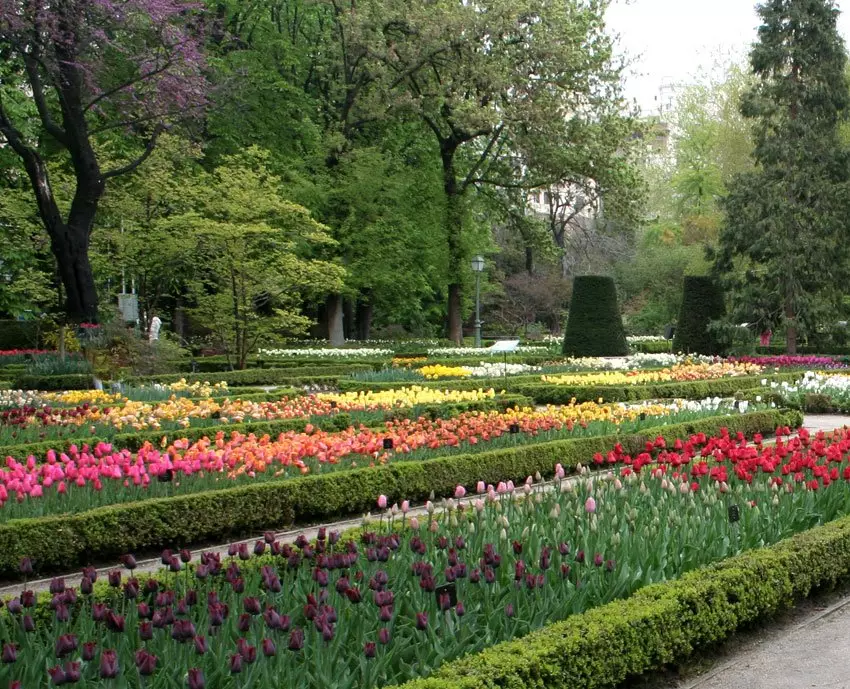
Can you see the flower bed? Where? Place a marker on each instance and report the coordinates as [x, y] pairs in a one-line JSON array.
[[786, 361], [367, 614], [328, 352], [81, 480], [815, 392], [57, 543], [677, 373]]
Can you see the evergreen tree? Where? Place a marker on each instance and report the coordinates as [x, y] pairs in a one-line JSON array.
[[783, 249]]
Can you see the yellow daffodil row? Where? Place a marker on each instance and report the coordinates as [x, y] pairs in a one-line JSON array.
[[679, 372], [77, 397], [412, 396], [439, 371]]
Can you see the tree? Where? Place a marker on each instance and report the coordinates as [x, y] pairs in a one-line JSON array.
[[594, 326], [489, 80], [783, 249], [702, 303], [76, 73]]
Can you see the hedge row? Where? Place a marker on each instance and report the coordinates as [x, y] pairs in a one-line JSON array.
[[337, 422], [68, 381], [659, 624], [63, 542], [544, 393], [652, 346], [258, 376]]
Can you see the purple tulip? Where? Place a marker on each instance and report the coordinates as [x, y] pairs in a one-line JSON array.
[[131, 589], [9, 654], [248, 652], [57, 675], [259, 548], [252, 605], [146, 631], [65, 645], [609, 565], [27, 599], [384, 635], [14, 606], [580, 556], [114, 578], [72, 673], [196, 679], [57, 585], [509, 610], [175, 565], [88, 651], [86, 586], [201, 646], [98, 612], [26, 566], [565, 571], [185, 555], [145, 662], [90, 573], [232, 549], [422, 620], [370, 650], [114, 623], [108, 664], [165, 557], [244, 624], [296, 639], [130, 562], [269, 649], [235, 664], [460, 611], [385, 614], [564, 549], [151, 586], [28, 624], [353, 594], [242, 550], [183, 630]]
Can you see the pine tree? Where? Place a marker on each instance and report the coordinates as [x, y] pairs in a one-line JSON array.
[[783, 254]]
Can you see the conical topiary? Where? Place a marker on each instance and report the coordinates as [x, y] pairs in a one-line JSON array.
[[595, 327], [702, 302]]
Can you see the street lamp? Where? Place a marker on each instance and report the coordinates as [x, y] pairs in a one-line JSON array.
[[478, 268]]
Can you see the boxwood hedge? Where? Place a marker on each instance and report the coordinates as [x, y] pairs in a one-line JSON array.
[[63, 542]]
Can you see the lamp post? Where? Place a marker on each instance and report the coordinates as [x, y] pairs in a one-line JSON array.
[[478, 268]]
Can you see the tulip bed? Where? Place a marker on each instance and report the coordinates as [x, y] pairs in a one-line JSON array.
[[410, 595], [818, 392], [85, 479]]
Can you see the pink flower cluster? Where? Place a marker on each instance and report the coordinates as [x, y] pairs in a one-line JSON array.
[[796, 361]]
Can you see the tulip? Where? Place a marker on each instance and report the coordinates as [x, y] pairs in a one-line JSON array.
[[269, 648], [201, 646], [108, 664], [382, 502], [460, 491], [28, 624], [590, 505], [65, 645], [509, 610], [57, 675], [296, 639], [130, 562], [414, 523], [235, 664], [26, 567], [384, 635], [146, 631], [405, 506], [196, 679], [88, 651], [145, 662], [370, 650], [9, 654], [72, 673], [57, 585]]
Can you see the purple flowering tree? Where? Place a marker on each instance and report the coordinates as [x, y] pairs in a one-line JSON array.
[[77, 73]]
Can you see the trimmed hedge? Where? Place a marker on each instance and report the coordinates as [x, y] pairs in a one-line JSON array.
[[68, 381], [702, 302], [337, 422], [653, 347], [20, 334], [63, 542], [659, 624], [258, 376], [545, 393], [594, 326]]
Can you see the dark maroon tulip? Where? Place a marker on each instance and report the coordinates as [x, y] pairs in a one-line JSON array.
[[385, 614], [72, 673], [175, 565], [333, 537], [564, 549], [517, 546], [242, 551], [370, 650], [202, 572], [27, 599], [57, 585], [475, 576], [327, 632], [114, 623], [57, 675], [191, 597], [565, 571], [384, 635], [165, 557], [131, 589], [269, 648], [164, 598], [65, 645], [519, 570], [16, 684], [183, 630], [114, 578], [28, 623], [509, 610], [445, 602], [144, 611], [248, 652], [9, 654], [421, 620], [185, 556], [238, 585], [145, 662], [598, 559], [14, 606], [86, 586], [353, 594], [285, 622], [146, 630], [218, 611], [302, 541], [87, 652], [460, 611], [26, 566], [545, 558], [232, 549], [321, 577], [276, 547], [196, 679], [62, 613], [90, 573], [609, 565], [201, 646], [244, 624], [130, 562], [252, 605], [151, 586], [296, 639], [580, 556], [108, 664], [259, 548], [68, 597], [235, 664], [98, 612], [268, 537]]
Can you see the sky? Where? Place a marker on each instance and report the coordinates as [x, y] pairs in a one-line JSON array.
[[671, 41]]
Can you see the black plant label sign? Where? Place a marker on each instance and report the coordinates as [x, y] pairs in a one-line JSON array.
[[449, 590], [734, 513]]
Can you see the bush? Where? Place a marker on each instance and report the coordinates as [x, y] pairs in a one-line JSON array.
[[653, 347], [659, 624], [595, 327], [63, 542], [327, 375], [702, 302], [20, 334], [71, 381], [546, 393]]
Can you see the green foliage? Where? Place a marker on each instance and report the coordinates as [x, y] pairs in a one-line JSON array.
[[595, 327], [58, 543], [783, 255], [71, 381], [702, 303], [20, 334]]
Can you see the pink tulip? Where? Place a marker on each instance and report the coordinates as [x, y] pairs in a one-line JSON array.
[[382, 502], [480, 487], [414, 523], [590, 505], [559, 471], [502, 488], [460, 491], [405, 506]]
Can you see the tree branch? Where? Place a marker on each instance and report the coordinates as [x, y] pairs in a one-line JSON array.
[[482, 158], [129, 167], [127, 84], [31, 65]]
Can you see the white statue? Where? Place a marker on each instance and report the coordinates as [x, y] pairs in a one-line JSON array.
[[153, 333]]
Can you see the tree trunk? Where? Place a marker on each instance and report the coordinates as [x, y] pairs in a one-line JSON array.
[[336, 333], [791, 327], [365, 311], [454, 230], [70, 247], [348, 324], [529, 260]]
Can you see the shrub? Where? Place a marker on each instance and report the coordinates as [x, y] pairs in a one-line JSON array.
[[327, 375], [20, 334], [62, 542], [595, 327], [71, 381], [702, 302]]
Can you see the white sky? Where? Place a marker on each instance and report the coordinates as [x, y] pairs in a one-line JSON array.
[[670, 41]]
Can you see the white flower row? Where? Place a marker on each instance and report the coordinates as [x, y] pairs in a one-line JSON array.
[[836, 385], [329, 353], [633, 361], [492, 369], [20, 398], [464, 351], [637, 339]]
